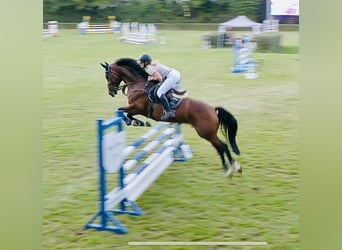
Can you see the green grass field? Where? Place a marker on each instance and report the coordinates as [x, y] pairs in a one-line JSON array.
[[191, 201]]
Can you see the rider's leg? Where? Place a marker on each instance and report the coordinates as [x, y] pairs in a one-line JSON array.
[[172, 81], [166, 105], [163, 89]]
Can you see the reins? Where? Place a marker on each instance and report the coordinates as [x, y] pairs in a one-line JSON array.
[[123, 88]]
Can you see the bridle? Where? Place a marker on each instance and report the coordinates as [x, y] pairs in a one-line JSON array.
[[123, 87], [108, 75]]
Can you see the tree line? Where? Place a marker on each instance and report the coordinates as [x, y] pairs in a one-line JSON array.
[[153, 11]]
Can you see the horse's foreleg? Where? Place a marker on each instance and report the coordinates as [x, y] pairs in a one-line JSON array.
[[136, 122], [126, 117], [129, 119]]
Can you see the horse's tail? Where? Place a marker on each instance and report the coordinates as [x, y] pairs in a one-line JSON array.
[[229, 126]]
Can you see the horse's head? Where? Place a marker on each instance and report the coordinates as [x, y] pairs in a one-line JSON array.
[[113, 80], [124, 69]]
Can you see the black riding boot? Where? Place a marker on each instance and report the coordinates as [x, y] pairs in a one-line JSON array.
[[166, 105]]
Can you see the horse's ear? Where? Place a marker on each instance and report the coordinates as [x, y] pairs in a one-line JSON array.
[[105, 65]]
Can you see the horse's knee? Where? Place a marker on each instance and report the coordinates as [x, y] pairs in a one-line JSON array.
[[126, 119]]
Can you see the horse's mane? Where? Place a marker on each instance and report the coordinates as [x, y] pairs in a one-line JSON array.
[[133, 66]]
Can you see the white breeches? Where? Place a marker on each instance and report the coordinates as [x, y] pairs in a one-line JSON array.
[[172, 81]]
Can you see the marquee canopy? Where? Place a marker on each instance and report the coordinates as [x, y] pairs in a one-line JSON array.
[[239, 22]]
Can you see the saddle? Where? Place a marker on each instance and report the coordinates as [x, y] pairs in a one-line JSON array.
[[175, 96]]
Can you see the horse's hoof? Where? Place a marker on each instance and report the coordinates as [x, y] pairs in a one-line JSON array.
[[148, 124], [135, 123], [229, 173], [237, 166]]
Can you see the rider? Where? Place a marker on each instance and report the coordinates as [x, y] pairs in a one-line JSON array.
[[168, 77]]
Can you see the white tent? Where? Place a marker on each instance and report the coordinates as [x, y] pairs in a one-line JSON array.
[[240, 22]]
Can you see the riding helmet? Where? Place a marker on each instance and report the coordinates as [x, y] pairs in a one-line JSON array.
[[145, 58]]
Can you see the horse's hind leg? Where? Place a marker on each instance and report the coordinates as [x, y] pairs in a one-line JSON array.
[[232, 162], [225, 150], [207, 130], [222, 149]]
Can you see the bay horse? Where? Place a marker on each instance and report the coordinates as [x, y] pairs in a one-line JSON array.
[[205, 119]]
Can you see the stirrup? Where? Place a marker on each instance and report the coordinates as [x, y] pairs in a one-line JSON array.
[[168, 115]]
